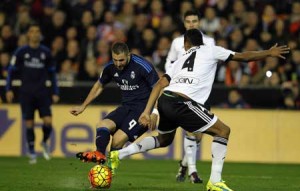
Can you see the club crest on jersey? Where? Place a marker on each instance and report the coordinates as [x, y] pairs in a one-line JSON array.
[[26, 56], [43, 56], [116, 75], [132, 75]]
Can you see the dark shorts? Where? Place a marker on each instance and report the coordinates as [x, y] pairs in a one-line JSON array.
[[31, 102], [176, 111], [126, 119]]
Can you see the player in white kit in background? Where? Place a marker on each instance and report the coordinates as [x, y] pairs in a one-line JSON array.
[[191, 142]]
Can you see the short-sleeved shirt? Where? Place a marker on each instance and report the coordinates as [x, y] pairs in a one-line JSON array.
[[193, 74], [135, 80]]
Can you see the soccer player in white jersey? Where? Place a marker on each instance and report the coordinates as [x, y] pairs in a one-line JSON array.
[[186, 88], [191, 142]]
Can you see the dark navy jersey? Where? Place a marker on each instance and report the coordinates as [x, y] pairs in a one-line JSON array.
[[35, 66], [135, 80]]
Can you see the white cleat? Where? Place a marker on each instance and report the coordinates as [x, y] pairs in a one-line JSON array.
[[32, 158], [46, 150]]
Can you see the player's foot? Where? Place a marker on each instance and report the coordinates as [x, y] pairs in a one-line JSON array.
[[46, 150], [113, 161], [219, 186], [32, 158], [91, 156], [194, 178], [180, 177]]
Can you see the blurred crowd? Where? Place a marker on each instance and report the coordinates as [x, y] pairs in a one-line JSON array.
[[80, 32]]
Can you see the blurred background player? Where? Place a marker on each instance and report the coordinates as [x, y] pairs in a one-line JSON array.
[[135, 76], [191, 142], [35, 66]]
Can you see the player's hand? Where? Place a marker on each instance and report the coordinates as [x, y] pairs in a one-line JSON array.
[[145, 120], [153, 121], [77, 110], [278, 51], [9, 96], [55, 98]]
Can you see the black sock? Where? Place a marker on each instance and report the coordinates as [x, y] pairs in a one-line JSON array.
[[114, 149], [47, 129], [30, 139], [102, 139]]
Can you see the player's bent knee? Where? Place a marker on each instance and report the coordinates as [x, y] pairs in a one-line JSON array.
[[165, 142]]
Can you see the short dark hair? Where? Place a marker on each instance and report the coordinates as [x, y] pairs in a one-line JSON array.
[[191, 13], [194, 37], [120, 47]]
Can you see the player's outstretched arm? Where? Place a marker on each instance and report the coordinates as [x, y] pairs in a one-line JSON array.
[[145, 119], [274, 51], [94, 92]]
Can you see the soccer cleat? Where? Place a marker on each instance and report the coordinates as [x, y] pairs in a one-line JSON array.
[[32, 158], [180, 177], [194, 178], [219, 186], [46, 151], [113, 161], [91, 156]]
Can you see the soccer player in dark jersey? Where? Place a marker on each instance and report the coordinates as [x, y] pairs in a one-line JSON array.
[[135, 76], [186, 87], [35, 66]]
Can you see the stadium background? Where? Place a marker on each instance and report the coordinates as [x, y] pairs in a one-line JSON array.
[[263, 119]]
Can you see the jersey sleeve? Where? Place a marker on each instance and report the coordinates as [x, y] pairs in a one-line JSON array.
[[15, 64], [105, 76], [51, 67], [220, 53], [172, 56]]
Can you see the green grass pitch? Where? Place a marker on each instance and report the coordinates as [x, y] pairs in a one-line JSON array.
[[66, 174]]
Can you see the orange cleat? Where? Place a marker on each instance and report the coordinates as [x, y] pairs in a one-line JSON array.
[[91, 156]]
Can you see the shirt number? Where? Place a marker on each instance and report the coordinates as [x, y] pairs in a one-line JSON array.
[[189, 62], [132, 123]]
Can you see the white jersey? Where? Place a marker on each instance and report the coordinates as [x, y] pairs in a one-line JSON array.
[[177, 49], [193, 74]]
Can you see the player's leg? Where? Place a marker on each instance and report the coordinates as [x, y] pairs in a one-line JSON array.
[[30, 138], [44, 107], [47, 130], [220, 133], [118, 141], [146, 144], [103, 132], [129, 130], [104, 129], [28, 107], [188, 162]]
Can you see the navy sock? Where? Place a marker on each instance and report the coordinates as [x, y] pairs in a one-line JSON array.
[[102, 139], [30, 139], [47, 129]]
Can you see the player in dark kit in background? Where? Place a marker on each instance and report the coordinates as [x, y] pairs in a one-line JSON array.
[[135, 76], [35, 66]]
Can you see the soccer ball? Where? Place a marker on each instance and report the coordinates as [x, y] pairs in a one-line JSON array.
[[100, 176]]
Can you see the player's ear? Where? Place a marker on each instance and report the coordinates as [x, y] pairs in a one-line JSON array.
[[128, 56]]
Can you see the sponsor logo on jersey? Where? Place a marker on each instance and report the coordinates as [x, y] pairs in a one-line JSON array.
[[34, 63], [116, 75], [186, 80], [126, 86]]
